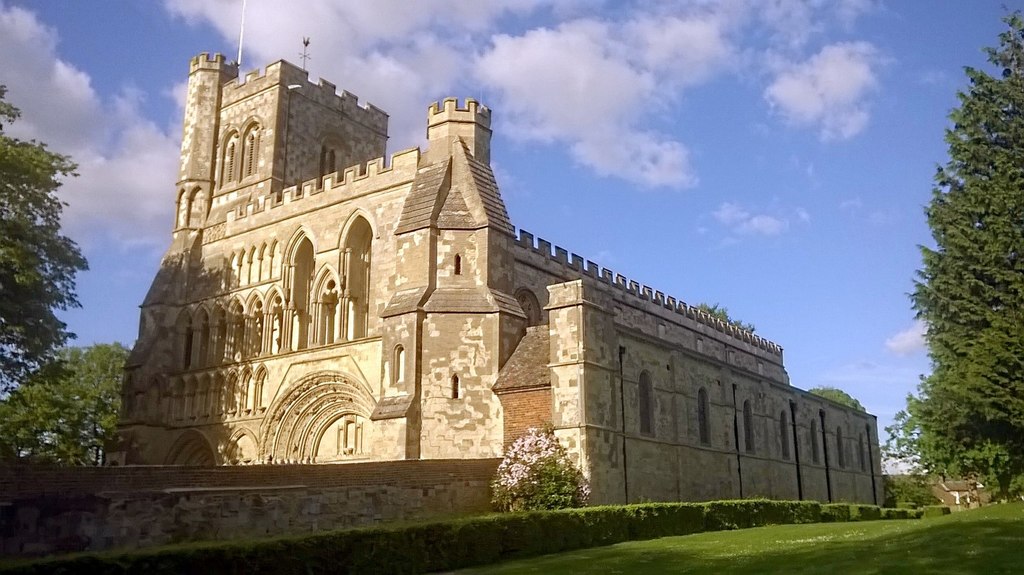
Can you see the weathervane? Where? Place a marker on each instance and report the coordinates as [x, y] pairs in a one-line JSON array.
[[305, 51]]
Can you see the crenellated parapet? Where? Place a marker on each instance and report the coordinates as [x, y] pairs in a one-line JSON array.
[[286, 76], [356, 180], [470, 124], [577, 265], [448, 110], [216, 62]]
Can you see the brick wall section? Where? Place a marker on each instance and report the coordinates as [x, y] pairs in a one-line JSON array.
[[46, 510], [523, 410]]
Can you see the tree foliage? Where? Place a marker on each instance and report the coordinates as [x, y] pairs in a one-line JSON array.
[[912, 490], [721, 312], [37, 263], [67, 410], [968, 416], [536, 473], [837, 395]]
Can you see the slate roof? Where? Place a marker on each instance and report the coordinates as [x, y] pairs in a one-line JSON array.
[[418, 211], [528, 366]]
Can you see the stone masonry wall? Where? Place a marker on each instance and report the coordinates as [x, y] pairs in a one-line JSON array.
[[46, 510]]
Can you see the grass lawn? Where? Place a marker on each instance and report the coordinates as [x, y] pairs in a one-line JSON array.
[[987, 540]]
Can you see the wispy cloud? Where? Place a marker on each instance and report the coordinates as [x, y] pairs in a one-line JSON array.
[[909, 341]]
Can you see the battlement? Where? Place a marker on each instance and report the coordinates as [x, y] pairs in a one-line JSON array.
[[206, 61], [448, 110], [402, 167], [587, 268], [284, 75]]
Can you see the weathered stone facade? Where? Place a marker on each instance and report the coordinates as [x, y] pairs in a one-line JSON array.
[[390, 311]]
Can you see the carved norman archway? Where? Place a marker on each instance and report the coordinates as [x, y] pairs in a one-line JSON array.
[[297, 422]]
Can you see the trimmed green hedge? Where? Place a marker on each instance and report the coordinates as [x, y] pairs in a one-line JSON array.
[[457, 543], [936, 511]]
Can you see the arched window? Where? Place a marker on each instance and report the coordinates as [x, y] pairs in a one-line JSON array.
[[456, 387], [203, 337], [229, 161], [329, 312], [398, 365], [861, 456], [784, 433], [253, 265], [231, 394], [840, 449], [703, 427], [815, 457], [250, 151], [256, 330], [257, 392], [302, 279], [748, 427], [220, 325], [244, 393], [190, 399], [358, 248], [236, 332], [202, 404], [272, 261], [458, 265], [276, 324], [236, 269], [263, 272], [645, 401], [217, 400], [185, 333], [530, 305]]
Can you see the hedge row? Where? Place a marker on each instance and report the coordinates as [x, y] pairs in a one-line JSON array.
[[458, 543]]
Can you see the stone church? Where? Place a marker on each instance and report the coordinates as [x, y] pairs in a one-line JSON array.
[[323, 303]]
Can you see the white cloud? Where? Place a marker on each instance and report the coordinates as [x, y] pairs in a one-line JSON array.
[[829, 90], [909, 341], [126, 163], [741, 221]]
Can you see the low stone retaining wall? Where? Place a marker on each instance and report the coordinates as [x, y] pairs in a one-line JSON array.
[[45, 510]]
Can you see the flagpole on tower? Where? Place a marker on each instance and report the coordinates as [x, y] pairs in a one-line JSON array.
[[241, 35]]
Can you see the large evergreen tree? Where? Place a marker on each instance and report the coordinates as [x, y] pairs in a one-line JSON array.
[[37, 263], [968, 417]]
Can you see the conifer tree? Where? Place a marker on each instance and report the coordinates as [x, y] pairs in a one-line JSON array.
[[968, 417]]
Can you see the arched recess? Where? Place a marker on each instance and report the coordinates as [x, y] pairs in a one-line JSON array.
[[530, 305], [184, 330], [255, 327], [241, 448], [235, 331], [328, 309], [275, 316], [358, 255], [302, 267], [306, 423], [257, 393], [191, 448]]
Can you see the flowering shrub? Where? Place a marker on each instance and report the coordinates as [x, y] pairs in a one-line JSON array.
[[537, 474]]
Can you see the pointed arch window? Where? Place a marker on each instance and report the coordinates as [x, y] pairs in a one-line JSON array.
[[302, 280], [230, 160], [840, 450], [748, 427], [784, 433], [255, 345], [257, 392], [458, 265], [358, 265], [329, 299], [815, 449], [703, 427], [250, 151], [645, 401], [398, 365], [456, 387]]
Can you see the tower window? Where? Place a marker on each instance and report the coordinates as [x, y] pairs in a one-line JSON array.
[[456, 387], [458, 265]]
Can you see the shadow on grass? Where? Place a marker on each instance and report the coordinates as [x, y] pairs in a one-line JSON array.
[[959, 544]]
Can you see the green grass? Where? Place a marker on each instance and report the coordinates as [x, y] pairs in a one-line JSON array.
[[987, 540]]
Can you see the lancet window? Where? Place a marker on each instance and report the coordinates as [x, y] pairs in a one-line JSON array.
[[358, 254]]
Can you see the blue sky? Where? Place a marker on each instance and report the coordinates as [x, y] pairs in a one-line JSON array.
[[772, 156]]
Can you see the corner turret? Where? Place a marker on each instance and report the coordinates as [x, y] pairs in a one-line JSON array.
[[447, 123]]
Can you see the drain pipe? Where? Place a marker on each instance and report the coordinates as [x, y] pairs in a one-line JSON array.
[[622, 408], [824, 447], [736, 438], [796, 451], [871, 464]]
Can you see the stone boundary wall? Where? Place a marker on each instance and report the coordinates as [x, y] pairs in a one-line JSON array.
[[48, 510]]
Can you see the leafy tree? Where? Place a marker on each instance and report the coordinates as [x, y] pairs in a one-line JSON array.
[[968, 416], [912, 490], [536, 474], [721, 312], [837, 395], [67, 410], [37, 263]]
